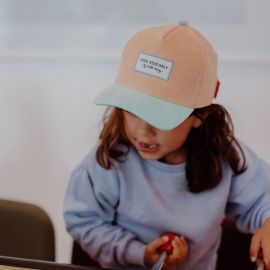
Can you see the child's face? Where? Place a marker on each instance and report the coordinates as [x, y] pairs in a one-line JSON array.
[[156, 144]]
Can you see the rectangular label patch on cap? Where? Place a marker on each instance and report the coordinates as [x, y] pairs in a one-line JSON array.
[[154, 66]]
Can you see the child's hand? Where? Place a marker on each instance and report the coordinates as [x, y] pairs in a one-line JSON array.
[[261, 239], [180, 251]]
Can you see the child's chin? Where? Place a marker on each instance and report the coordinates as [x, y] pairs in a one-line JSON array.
[[149, 156]]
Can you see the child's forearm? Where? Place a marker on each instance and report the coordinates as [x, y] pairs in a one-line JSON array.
[[89, 215], [111, 246]]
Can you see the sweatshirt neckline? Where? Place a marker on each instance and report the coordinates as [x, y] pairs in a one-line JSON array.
[[165, 166]]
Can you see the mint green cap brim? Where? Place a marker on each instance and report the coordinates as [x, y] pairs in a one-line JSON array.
[[156, 112]]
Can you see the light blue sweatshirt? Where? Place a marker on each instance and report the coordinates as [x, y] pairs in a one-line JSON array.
[[113, 214]]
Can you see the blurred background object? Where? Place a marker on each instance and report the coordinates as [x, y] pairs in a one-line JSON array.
[[26, 231]]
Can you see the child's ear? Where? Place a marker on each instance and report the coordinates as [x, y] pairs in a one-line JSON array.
[[199, 119], [197, 122]]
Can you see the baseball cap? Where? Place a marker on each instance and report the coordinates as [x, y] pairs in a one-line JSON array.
[[165, 72]]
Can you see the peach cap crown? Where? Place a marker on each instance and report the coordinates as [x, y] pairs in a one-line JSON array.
[[165, 72]]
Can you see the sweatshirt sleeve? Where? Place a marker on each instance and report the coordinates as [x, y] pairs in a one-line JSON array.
[[249, 198], [90, 206]]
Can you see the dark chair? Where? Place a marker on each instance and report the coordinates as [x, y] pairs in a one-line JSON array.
[[26, 231], [233, 253], [80, 257]]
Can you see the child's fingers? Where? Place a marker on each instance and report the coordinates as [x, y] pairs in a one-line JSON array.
[[266, 257], [156, 243], [265, 246], [180, 250], [183, 245], [174, 257], [255, 245], [182, 241], [150, 253]]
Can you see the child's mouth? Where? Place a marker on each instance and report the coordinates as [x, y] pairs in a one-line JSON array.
[[147, 147]]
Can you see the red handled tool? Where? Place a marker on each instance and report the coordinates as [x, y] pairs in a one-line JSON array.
[[259, 261], [165, 250]]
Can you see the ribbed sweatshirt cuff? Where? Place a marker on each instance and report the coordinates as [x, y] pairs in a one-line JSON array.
[[266, 215], [135, 253]]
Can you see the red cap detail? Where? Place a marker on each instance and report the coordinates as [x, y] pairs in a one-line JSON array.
[[217, 88]]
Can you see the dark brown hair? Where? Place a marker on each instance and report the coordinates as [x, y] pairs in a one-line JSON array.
[[207, 146]]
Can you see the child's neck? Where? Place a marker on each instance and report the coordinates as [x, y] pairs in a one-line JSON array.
[[174, 158]]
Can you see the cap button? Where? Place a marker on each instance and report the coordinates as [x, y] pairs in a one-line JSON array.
[[183, 23]]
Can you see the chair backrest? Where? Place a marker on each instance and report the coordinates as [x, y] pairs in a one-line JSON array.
[[26, 231], [233, 253]]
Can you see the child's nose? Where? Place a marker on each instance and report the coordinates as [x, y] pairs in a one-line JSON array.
[[147, 129]]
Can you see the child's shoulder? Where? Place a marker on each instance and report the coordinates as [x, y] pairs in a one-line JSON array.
[[250, 158], [244, 150], [90, 171]]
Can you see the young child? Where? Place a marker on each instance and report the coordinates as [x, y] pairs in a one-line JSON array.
[[166, 161]]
